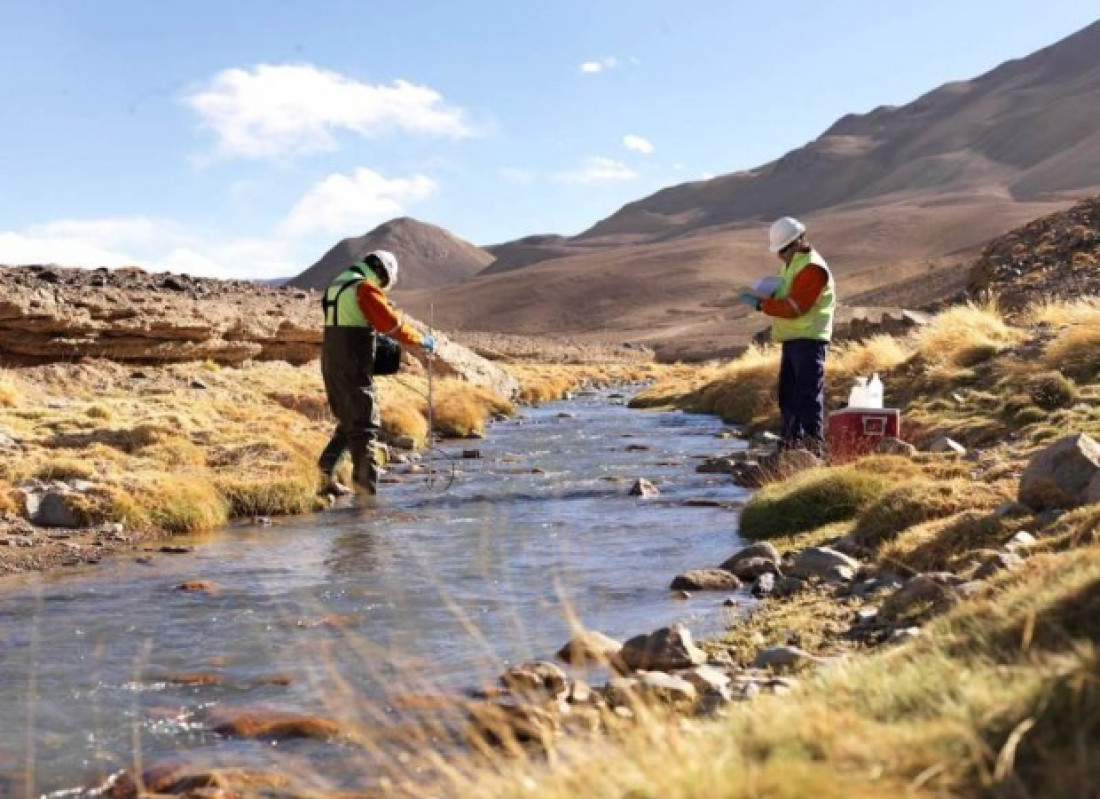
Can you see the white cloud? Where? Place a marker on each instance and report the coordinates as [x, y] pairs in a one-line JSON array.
[[339, 204], [595, 67], [111, 231], [153, 245], [516, 175], [289, 109], [352, 204], [637, 144], [598, 170], [21, 249]]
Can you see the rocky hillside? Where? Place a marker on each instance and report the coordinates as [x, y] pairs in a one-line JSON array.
[[54, 314], [429, 255], [1055, 257], [1028, 129], [897, 197]]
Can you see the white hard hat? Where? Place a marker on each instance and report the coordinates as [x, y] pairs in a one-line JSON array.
[[385, 263], [783, 231]]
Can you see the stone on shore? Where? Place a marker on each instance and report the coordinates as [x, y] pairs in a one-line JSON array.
[[666, 649], [706, 580], [1063, 475]]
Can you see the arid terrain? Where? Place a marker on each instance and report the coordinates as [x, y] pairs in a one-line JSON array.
[[897, 199]]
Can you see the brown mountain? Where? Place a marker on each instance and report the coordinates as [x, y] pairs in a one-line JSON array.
[[900, 193], [430, 256]]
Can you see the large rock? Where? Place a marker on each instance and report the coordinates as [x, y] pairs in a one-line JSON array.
[[590, 647], [761, 549], [820, 562], [933, 591], [666, 649], [1064, 475]]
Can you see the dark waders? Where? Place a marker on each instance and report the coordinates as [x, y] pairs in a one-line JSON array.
[[347, 363]]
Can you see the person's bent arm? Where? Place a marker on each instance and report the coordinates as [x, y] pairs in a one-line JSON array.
[[383, 317], [806, 288]]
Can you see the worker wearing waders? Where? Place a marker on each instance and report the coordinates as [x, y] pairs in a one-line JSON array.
[[802, 309], [356, 310]]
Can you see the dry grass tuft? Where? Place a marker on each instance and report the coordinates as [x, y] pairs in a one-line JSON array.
[[1063, 313], [177, 503], [311, 404], [918, 501], [1076, 352], [744, 391], [63, 468], [964, 336], [403, 415], [809, 500], [461, 408], [879, 354], [7, 498], [10, 395]]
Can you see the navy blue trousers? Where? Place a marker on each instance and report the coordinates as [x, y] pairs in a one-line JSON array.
[[802, 395]]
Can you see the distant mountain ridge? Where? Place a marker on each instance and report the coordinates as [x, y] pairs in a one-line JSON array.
[[1026, 130], [898, 195], [430, 257]]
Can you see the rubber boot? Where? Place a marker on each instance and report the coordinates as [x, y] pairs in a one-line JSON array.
[[364, 471], [330, 485]]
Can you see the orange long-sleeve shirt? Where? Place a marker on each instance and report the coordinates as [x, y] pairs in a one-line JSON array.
[[383, 317], [805, 290]]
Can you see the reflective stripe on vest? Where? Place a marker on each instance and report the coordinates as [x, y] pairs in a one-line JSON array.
[[817, 323], [340, 303]]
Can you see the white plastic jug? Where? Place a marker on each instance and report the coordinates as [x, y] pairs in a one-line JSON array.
[[857, 397], [874, 392]]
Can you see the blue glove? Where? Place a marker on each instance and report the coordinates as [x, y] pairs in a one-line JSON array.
[[750, 299], [427, 343]]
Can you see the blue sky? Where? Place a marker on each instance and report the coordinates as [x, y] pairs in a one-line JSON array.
[[241, 138]]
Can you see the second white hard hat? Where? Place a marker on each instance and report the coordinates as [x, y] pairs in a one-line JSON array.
[[784, 230]]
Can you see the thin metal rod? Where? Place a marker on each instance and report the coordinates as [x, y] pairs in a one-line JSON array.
[[431, 409]]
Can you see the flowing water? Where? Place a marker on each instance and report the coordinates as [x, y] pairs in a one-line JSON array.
[[430, 591]]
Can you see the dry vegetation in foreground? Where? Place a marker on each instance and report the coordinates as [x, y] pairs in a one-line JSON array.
[[184, 448], [1000, 694]]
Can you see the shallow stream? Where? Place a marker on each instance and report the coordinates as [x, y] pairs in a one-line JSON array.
[[432, 591]]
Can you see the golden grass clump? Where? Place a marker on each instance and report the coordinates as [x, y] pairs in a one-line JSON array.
[[266, 495], [174, 451], [311, 404], [545, 388], [7, 498], [917, 501], [1076, 352], [403, 415], [462, 408], [1064, 313], [10, 395], [64, 468], [964, 336], [176, 503], [881, 353], [809, 500], [744, 391], [943, 543]]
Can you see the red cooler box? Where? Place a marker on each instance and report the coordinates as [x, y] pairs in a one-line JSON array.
[[856, 431]]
